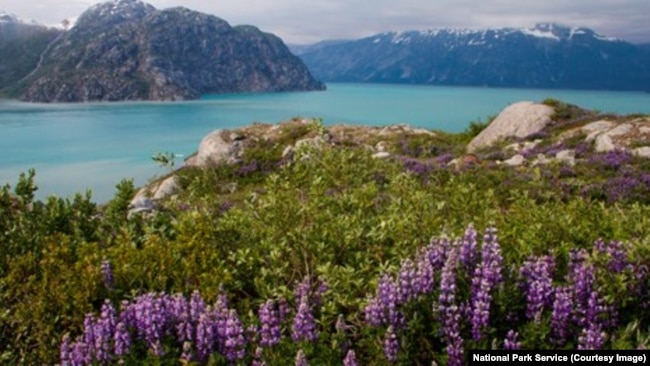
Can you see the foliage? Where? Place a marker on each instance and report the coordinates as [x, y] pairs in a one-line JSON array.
[[336, 216]]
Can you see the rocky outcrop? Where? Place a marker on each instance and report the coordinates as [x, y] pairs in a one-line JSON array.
[[220, 146], [128, 50], [517, 120], [610, 135]]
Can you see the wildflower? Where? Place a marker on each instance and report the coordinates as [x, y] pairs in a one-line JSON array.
[[511, 343], [350, 359], [234, 342], [391, 345], [303, 327]]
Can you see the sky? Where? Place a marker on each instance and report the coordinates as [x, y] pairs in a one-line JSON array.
[[310, 21]]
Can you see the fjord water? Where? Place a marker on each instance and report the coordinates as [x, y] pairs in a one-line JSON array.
[[75, 147]]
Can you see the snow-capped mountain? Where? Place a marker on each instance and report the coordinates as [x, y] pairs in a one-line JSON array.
[[545, 56]]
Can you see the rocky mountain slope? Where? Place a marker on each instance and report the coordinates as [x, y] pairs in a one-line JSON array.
[[547, 56], [128, 50], [21, 44]]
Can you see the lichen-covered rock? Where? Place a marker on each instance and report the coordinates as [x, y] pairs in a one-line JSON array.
[[219, 147], [517, 120]]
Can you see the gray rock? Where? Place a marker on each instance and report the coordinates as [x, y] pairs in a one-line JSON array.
[[381, 146], [566, 156], [139, 205], [517, 120], [311, 142], [643, 152], [541, 159], [287, 153], [167, 188], [516, 160], [604, 143], [593, 129], [215, 148], [381, 155]]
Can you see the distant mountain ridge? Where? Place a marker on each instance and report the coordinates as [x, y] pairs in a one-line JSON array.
[[129, 50], [546, 56]]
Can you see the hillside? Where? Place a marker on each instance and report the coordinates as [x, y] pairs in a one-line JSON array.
[[329, 243], [21, 45], [547, 56], [128, 50]]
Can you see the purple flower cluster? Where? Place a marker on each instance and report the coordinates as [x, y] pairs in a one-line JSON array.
[[416, 278], [199, 330], [616, 254], [269, 316], [537, 273], [486, 277], [511, 342], [304, 326]]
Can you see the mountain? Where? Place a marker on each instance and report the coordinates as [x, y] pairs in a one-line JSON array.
[[129, 50], [21, 44], [547, 56]]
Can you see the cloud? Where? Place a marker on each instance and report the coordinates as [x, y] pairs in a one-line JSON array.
[[307, 21]]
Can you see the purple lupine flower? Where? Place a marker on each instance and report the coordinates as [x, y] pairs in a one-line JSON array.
[[257, 357], [387, 293], [511, 343], [455, 349], [180, 310], [616, 252], [270, 319], [391, 345], [486, 276], [303, 289], [107, 274], [448, 309], [591, 338], [537, 273], [301, 359], [127, 314], [303, 327], [205, 338], [65, 351], [81, 354], [89, 334], [469, 248], [122, 340], [374, 313], [424, 275], [234, 342], [196, 306], [582, 278], [562, 308], [320, 291], [447, 296], [103, 332], [406, 282], [350, 359]]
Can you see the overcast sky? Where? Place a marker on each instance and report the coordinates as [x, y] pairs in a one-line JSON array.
[[308, 21]]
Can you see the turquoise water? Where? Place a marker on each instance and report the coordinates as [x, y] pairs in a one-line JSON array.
[[75, 147]]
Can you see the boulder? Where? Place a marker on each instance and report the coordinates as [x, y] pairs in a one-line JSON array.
[[643, 152], [167, 187], [516, 160], [140, 205], [517, 120], [218, 147], [381, 155], [566, 156]]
